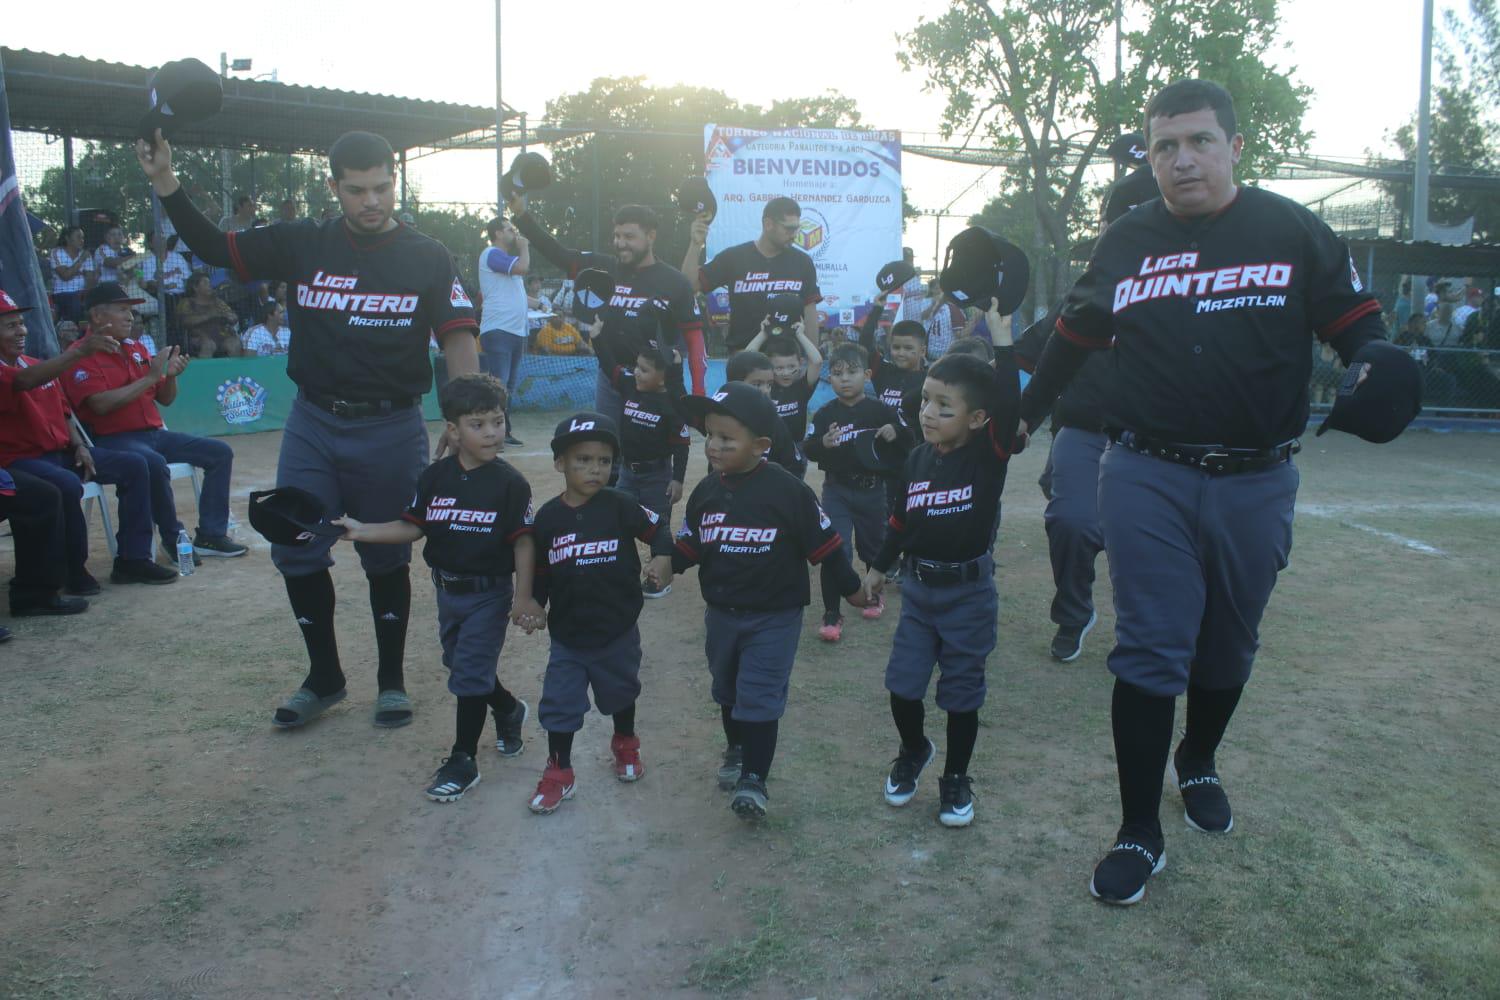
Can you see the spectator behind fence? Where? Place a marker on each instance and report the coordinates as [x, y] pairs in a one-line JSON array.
[[913, 293], [1442, 330], [139, 335], [112, 255], [502, 321], [72, 271], [117, 396], [209, 327], [243, 216], [270, 335], [67, 332], [288, 210], [559, 336], [1403, 305], [537, 301], [944, 321]]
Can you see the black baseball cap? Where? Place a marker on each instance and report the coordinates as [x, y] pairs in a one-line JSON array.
[[592, 289], [1128, 150], [744, 403], [288, 515], [108, 293], [884, 458], [528, 173], [981, 266], [783, 310], [696, 198], [585, 426], [181, 93], [1385, 403], [894, 275]]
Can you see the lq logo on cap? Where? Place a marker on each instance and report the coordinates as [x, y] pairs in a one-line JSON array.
[[719, 397], [580, 425]]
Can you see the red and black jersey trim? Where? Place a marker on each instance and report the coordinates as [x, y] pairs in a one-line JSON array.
[[1091, 343], [524, 529], [1347, 320], [455, 324], [825, 550], [409, 517], [240, 270]]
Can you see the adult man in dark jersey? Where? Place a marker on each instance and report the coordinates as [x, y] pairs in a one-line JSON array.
[[365, 294], [1209, 298], [754, 272]]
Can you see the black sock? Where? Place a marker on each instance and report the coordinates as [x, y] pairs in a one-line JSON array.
[[963, 730], [832, 599], [312, 604], [1143, 736], [1208, 713], [390, 605], [501, 700], [733, 734], [560, 749], [760, 747], [470, 723], [908, 715], [625, 721]]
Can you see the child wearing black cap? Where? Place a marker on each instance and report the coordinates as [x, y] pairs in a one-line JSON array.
[[750, 527], [587, 567], [796, 368], [475, 512]]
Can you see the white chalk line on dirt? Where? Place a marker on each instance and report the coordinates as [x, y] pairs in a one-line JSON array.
[[1458, 470], [1335, 512]]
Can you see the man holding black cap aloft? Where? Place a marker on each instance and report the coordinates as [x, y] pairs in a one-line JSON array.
[[756, 271], [1208, 298], [366, 294]]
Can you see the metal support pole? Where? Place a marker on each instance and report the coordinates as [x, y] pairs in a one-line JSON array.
[[403, 180], [1424, 119], [70, 201], [224, 153], [594, 156], [499, 123]]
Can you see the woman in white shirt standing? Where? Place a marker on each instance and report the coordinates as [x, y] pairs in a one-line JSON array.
[[72, 267]]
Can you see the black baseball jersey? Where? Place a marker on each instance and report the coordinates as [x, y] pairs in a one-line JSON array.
[[951, 506], [651, 427], [892, 385], [866, 416], [791, 405], [641, 295], [752, 279], [587, 566], [471, 517], [1081, 404], [1210, 319], [363, 306], [751, 536], [1135, 188]]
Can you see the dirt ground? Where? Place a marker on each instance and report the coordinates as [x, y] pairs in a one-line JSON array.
[[159, 839]]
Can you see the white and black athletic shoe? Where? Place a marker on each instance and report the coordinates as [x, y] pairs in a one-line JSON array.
[[508, 740], [1067, 645], [750, 797], [729, 769], [957, 794], [1120, 878], [901, 783], [458, 774], [1205, 806]]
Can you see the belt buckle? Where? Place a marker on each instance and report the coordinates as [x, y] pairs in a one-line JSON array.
[[339, 407]]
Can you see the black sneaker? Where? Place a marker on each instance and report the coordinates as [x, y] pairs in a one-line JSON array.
[[217, 546], [901, 784], [141, 571], [1205, 806], [729, 770], [958, 800], [512, 440], [54, 605], [508, 739], [169, 553], [651, 591], [1068, 643], [83, 586], [5, 634], [750, 798], [1120, 879], [458, 774]]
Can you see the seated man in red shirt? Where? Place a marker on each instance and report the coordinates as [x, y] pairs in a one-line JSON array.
[[116, 395], [37, 437]]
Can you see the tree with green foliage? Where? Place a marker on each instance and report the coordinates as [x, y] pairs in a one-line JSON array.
[[1036, 78]]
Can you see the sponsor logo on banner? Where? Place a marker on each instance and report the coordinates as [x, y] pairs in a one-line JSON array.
[[241, 400], [815, 235]]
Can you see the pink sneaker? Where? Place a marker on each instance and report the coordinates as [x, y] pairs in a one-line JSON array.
[[555, 786], [832, 629], [627, 751], [875, 610]]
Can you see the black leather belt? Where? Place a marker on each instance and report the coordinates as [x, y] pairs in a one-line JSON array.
[[948, 574], [868, 481], [640, 468], [456, 583], [1213, 459], [358, 408]]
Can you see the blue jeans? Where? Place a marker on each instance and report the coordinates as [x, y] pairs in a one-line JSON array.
[[502, 358], [162, 447], [127, 473]]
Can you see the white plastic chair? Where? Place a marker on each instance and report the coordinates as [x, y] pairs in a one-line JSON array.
[[93, 491]]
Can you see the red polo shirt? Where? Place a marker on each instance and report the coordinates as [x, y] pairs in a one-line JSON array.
[[102, 372], [31, 423]]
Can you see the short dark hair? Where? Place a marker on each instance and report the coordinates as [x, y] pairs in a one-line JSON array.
[[360, 151], [782, 346], [641, 215], [647, 351], [780, 208], [265, 309], [909, 328], [192, 281], [1186, 96], [974, 380], [494, 226], [848, 354], [974, 347], [742, 363], [475, 392]]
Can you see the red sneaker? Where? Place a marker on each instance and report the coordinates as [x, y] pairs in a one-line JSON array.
[[875, 610], [555, 786], [832, 629], [627, 751]]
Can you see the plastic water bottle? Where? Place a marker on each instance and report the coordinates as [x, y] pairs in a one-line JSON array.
[[184, 553]]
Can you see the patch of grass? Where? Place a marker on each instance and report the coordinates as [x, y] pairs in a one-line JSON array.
[[33, 977], [176, 911], [776, 945], [203, 843]]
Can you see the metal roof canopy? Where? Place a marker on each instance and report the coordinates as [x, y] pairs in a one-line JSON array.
[[93, 99], [1411, 257]]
